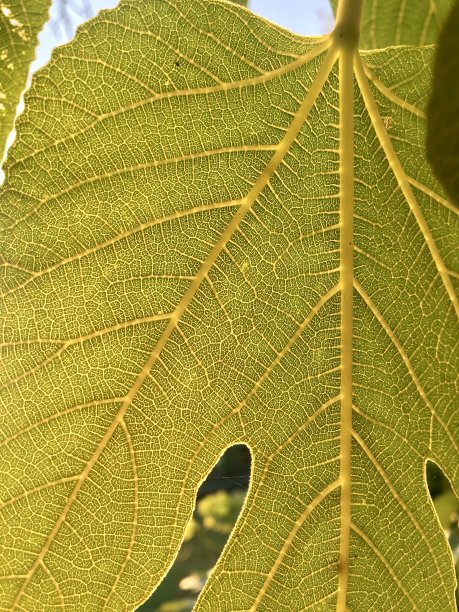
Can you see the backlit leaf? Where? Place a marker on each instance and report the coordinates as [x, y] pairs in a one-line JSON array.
[[218, 232]]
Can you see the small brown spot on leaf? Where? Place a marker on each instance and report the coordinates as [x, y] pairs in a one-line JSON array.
[[387, 122]]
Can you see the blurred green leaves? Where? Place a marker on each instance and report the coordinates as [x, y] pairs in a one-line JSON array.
[[443, 109]]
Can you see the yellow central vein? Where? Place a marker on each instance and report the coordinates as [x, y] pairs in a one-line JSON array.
[[403, 180], [260, 184], [346, 284]]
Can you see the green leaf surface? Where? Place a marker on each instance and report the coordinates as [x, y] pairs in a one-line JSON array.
[[401, 22], [20, 24], [217, 232], [443, 115]]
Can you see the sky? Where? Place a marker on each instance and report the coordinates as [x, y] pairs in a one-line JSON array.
[[309, 17]]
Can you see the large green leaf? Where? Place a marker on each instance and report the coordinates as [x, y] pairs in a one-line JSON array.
[[401, 22], [442, 114], [217, 232], [20, 23]]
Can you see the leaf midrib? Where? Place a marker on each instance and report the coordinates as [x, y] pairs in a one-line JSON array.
[[346, 122]]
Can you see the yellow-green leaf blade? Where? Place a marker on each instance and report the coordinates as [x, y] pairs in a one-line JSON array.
[[173, 287]]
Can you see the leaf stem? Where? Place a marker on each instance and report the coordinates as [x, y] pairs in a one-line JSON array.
[[347, 28]]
